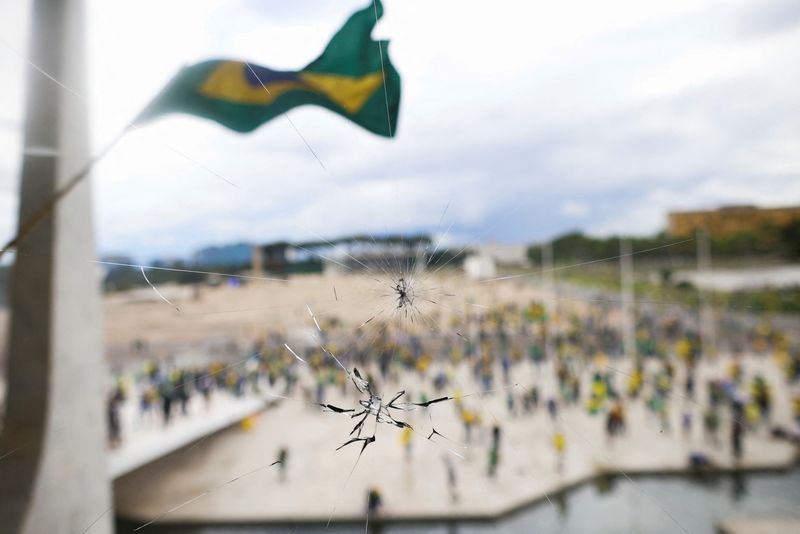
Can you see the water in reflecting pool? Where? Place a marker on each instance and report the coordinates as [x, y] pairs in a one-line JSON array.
[[649, 504]]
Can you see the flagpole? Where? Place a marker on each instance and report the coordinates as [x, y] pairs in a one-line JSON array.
[[626, 292], [550, 296], [704, 268]]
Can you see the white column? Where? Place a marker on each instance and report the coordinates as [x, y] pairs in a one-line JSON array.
[[55, 481]]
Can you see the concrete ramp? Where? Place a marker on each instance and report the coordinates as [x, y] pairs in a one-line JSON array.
[[145, 441]]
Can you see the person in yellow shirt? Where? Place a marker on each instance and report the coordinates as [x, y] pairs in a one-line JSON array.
[[635, 382], [405, 440], [560, 446], [470, 419]]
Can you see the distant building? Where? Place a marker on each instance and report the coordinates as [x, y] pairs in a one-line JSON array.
[[480, 267], [485, 260], [505, 255], [345, 254], [285, 258], [238, 255], [731, 220]]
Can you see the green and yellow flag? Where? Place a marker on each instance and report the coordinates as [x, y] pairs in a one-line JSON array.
[[352, 77]]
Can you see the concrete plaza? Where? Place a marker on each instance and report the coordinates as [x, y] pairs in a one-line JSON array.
[[319, 484]]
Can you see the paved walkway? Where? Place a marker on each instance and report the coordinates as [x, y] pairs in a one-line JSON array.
[[145, 441], [321, 482], [759, 526]]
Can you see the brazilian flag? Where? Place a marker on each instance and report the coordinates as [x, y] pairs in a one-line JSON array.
[[352, 77]]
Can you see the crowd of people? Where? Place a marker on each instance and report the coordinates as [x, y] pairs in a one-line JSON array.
[[163, 391], [584, 349], [581, 347]]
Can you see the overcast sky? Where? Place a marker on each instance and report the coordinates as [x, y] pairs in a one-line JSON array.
[[526, 118]]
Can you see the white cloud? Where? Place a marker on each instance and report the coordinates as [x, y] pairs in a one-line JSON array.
[[572, 208], [633, 108], [645, 215]]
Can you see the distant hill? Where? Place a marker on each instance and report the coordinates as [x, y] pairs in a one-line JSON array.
[[778, 245]]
